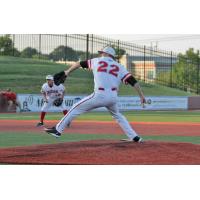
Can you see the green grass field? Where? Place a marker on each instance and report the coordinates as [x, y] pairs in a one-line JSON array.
[[137, 116], [25, 75], [8, 139], [27, 139]]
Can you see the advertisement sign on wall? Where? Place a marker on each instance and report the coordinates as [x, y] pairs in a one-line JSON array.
[[34, 102]]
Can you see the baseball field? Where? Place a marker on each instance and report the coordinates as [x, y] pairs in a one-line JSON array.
[[171, 137]]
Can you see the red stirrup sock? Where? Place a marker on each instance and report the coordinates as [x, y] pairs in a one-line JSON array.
[[65, 112], [42, 115]]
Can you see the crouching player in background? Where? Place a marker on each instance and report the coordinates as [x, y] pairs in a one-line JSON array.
[[53, 96], [12, 101]]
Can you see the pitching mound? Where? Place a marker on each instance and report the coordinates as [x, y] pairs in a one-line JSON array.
[[104, 152]]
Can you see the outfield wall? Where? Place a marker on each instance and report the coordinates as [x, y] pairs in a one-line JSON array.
[[33, 103]]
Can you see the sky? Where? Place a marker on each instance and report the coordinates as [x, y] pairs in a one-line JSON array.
[[177, 43]]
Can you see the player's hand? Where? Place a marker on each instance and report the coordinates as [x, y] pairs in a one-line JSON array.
[[143, 101]]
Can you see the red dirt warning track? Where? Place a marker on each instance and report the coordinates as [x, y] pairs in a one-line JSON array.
[[95, 127], [104, 151]]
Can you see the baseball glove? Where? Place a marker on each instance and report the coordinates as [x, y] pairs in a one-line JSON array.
[[59, 78], [58, 102]]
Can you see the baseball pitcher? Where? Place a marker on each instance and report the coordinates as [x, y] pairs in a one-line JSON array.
[[53, 96], [108, 74]]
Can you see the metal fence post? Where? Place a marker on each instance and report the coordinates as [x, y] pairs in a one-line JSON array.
[[91, 56], [186, 75], [171, 70], [118, 50], [65, 48], [144, 63], [198, 65], [39, 45], [13, 45], [87, 47]]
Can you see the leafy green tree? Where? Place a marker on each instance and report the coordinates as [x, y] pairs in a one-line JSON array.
[[185, 71], [6, 45], [82, 55], [29, 52], [16, 53], [191, 55], [163, 78], [64, 53]]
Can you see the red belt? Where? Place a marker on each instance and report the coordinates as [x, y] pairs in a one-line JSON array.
[[113, 89]]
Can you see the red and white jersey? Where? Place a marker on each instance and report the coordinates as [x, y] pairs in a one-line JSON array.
[[108, 73], [54, 91]]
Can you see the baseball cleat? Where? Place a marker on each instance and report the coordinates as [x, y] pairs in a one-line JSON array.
[[40, 124], [52, 131], [135, 139], [138, 139]]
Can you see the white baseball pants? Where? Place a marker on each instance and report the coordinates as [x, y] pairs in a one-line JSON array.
[[98, 99], [46, 106]]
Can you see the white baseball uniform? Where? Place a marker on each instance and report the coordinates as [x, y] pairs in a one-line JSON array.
[[108, 74], [52, 93]]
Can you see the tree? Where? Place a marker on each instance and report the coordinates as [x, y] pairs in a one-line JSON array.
[[29, 52], [82, 55], [16, 53], [64, 53], [185, 71], [191, 55], [6, 45]]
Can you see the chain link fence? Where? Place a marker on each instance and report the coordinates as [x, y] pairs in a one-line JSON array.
[[146, 64]]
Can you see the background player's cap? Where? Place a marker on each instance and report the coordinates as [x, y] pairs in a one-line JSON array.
[[49, 77], [108, 50]]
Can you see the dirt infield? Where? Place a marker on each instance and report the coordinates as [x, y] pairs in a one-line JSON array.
[[104, 151], [91, 127]]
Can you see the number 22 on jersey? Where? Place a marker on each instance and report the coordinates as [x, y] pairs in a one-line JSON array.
[[104, 67]]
